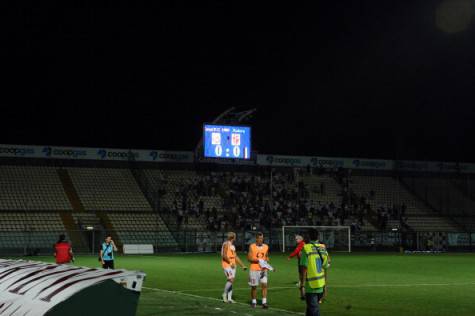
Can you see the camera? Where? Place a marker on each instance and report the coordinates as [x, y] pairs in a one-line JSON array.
[[109, 254]]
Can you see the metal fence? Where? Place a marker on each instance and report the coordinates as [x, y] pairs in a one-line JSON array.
[[31, 243]]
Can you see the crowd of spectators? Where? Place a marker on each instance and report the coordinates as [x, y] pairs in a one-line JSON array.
[[257, 200], [251, 201]]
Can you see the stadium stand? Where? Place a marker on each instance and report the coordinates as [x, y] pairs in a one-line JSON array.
[[83, 220], [38, 202], [107, 189], [467, 222], [466, 185], [36, 230], [327, 190], [179, 202], [449, 196], [143, 228], [323, 188], [31, 188], [442, 195], [386, 194]]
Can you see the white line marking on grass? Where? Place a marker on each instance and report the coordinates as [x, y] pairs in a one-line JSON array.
[[337, 286], [215, 299], [401, 285], [237, 289]]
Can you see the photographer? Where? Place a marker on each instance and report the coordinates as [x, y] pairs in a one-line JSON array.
[[106, 254]]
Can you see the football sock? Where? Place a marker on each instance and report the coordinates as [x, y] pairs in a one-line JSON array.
[[228, 287]]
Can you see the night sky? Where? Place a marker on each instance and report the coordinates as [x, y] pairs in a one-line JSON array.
[[375, 79]]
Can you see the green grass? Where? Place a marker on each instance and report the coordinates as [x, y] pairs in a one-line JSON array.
[[359, 284]]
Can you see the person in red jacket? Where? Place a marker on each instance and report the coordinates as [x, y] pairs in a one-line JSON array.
[[296, 253], [63, 251]]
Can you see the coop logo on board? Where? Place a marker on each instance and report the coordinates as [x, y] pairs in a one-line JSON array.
[[102, 153], [450, 166], [373, 164], [17, 151], [172, 156], [154, 155], [326, 163], [168, 156], [64, 152], [286, 161], [47, 151], [108, 154], [314, 161], [412, 165]]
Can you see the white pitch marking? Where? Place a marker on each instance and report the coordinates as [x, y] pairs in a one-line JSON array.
[[215, 299], [403, 285], [236, 289], [339, 286]]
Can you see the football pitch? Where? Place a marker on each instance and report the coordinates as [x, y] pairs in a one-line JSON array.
[[359, 284]]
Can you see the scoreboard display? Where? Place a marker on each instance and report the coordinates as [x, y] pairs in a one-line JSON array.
[[226, 141]]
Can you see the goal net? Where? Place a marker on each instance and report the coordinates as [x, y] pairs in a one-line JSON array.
[[336, 238]]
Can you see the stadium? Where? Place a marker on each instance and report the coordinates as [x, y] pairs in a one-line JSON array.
[[320, 155], [378, 218]]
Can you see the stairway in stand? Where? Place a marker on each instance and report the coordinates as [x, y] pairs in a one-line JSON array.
[[77, 240], [107, 223]]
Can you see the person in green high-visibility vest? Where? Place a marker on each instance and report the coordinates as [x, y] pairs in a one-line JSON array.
[[316, 261]]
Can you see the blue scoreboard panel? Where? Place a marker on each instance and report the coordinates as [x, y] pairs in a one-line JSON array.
[[225, 141]]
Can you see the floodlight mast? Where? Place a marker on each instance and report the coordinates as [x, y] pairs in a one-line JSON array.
[[231, 116]]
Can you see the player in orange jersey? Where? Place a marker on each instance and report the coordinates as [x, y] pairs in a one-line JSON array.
[[229, 258], [258, 256]]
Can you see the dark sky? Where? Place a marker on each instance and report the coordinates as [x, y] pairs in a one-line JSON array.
[[378, 79]]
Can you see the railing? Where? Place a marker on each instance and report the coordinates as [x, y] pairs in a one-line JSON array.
[[31, 243]]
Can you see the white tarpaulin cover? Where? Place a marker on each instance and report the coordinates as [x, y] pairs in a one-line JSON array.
[[29, 288]]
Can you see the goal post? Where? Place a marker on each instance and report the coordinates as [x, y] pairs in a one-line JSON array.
[[336, 238]]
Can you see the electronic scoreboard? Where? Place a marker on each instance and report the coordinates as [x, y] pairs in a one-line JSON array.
[[226, 141]]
